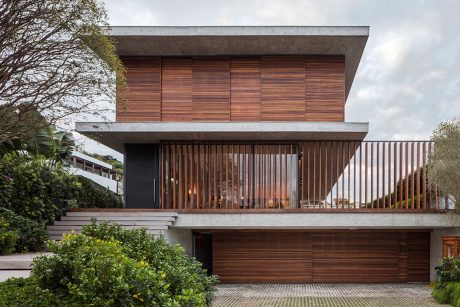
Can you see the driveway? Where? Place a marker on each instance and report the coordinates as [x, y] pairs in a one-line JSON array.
[[353, 295]]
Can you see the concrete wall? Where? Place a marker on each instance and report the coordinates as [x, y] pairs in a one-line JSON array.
[[180, 236], [436, 247]]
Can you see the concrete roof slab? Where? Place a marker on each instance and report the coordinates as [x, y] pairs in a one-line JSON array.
[[115, 134]]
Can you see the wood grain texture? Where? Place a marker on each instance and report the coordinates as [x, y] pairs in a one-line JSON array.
[[325, 89], [262, 257], [283, 88], [261, 88], [321, 256], [176, 90], [211, 89], [245, 89], [143, 95]]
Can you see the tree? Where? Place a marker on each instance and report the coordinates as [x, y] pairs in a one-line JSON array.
[[55, 59], [445, 159]]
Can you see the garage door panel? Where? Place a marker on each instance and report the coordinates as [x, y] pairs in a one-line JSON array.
[[334, 256]]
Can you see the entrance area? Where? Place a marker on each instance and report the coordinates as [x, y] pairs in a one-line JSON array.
[[262, 256]]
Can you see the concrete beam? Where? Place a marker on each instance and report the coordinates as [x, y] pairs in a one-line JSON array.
[[240, 41], [115, 134], [309, 220]]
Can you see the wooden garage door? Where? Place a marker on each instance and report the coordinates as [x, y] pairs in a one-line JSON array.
[[248, 257], [330, 256]]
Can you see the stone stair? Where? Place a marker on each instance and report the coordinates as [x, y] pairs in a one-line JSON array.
[[155, 222]]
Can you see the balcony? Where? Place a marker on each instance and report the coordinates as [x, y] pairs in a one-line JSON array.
[[377, 176]]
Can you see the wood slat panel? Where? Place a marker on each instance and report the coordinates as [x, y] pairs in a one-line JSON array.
[[283, 88], [245, 89], [321, 256], [211, 89], [262, 257], [143, 94], [325, 89], [176, 89]]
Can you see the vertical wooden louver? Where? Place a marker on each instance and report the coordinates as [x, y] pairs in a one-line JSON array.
[[307, 175]]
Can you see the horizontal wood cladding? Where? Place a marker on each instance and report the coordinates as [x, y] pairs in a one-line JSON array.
[[321, 256], [245, 89], [143, 96], [176, 89], [223, 89], [211, 89], [283, 88], [325, 89]]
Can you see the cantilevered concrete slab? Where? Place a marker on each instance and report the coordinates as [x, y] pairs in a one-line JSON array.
[[312, 220], [238, 41], [115, 134]]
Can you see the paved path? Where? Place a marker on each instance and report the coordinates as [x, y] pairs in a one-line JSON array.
[[328, 295]]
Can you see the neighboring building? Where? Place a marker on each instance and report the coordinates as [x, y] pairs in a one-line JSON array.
[[96, 170], [241, 132]]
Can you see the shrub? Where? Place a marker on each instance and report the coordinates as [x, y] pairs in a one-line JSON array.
[[184, 274], [40, 191], [448, 270], [448, 293], [109, 266], [31, 236], [8, 238], [89, 271], [93, 195]]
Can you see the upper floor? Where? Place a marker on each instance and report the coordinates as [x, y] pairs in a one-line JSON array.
[[237, 74]]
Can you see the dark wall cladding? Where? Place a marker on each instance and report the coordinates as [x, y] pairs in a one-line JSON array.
[[142, 171]]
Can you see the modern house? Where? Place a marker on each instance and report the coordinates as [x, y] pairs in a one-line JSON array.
[[96, 170], [235, 138]]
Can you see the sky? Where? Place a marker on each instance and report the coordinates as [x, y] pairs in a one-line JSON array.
[[408, 80]]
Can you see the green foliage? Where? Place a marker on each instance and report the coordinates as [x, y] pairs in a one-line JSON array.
[[93, 195], [445, 160], [8, 238], [31, 236], [26, 292], [184, 274], [448, 270], [447, 293], [95, 272], [41, 191], [109, 266]]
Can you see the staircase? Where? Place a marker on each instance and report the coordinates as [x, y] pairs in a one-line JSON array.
[[155, 222]]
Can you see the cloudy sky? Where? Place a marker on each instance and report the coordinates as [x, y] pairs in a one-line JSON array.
[[408, 79]]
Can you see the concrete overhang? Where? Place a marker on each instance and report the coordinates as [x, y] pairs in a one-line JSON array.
[[312, 220], [244, 41], [115, 134]]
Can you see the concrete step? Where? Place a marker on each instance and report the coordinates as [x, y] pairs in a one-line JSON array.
[[121, 213], [77, 227], [120, 222], [18, 261], [115, 219], [57, 235]]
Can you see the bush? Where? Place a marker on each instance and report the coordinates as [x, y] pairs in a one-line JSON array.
[[31, 236], [448, 293], [448, 270], [184, 274], [109, 266], [40, 191], [93, 195], [8, 238]]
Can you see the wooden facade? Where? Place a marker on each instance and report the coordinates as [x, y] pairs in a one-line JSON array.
[[321, 256], [335, 175], [224, 89]]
